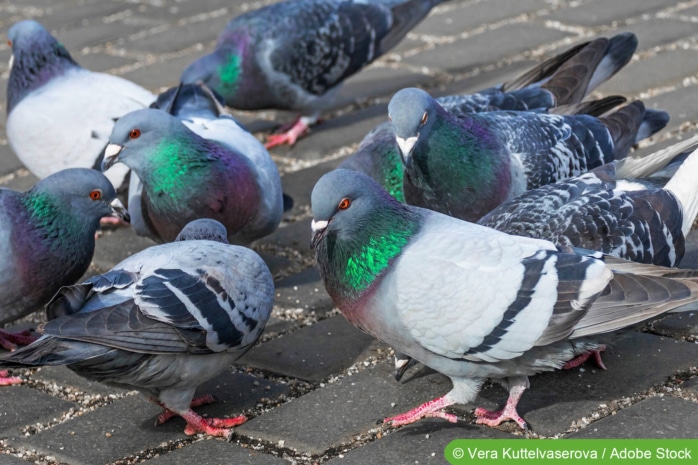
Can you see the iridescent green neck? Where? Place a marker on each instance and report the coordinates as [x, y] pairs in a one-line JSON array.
[[392, 174], [228, 73], [172, 169], [47, 215]]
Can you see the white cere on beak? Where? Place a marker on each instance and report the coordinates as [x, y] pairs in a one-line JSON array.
[[318, 225], [406, 145], [112, 150], [12, 60]]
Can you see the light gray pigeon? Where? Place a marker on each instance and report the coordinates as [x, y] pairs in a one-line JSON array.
[[471, 302], [467, 165], [558, 84], [215, 170], [60, 115], [162, 321], [47, 238], [295, 54]]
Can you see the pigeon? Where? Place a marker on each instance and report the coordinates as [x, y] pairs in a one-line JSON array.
[[645, 220], [467, 165], [59, 114], [181, 176], [561, 81], [294, 55], [163, 321], [628, 218], [471, 302], [48, 238]]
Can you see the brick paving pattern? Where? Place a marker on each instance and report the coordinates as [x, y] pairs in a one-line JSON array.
[[314, 387]]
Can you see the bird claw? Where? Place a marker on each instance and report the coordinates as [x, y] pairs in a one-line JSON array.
[[196, 402], [432, 409], [490, 418], [297, 130], [6, 380], [578, 360], [9, 341]]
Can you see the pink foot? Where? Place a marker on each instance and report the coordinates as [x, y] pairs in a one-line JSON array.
[[290, 136], [9, 341], [196, 402], [575, 362], [489, 418], [220, 427], [112, 222], [6, 380], [429, 409]]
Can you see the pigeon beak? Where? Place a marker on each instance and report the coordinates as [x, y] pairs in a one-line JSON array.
[[406, 146], [318, 228], [402, 364], [12, 61], [111, 154], [119, 211]]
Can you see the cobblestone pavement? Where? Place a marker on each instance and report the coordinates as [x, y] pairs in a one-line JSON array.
[[315, 386]]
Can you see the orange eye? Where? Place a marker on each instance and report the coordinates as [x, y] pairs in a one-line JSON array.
[[425, 116], [344, 204], [96, 194], [9, 42], [134, 134]]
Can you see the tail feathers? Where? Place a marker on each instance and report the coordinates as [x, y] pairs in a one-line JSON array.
[[642, 167], [591, 108], [49, 351], [653, 122], [631, 298], [621, 48], [542, 72], [684, 186], [631, 124], [406, 16]]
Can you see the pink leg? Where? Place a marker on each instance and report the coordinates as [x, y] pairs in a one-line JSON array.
[[9, 341], [429, 409], [112, 222], [196, 402], [220, 427], [486, 417], [575, 362], [290, 136], [6, 380]]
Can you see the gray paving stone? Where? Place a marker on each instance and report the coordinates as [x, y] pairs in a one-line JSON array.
[[422, 442], [485, 80], [598, 12], [657, 417], [635, 362], [102, 62], [665, 69], [678, 325], [296, 234], [160, 76], [304, 290], [7, 459], [62, 15], [96, 33], [216, 452], [21, 406], [468, 16], [299, 185], [691, 386], [681, 104], [334, 414], [313, 352], [22, 182], [9, 163], [661, 31], [180, 37], [126, 426], [376, 81], [487, 47], [65, 377]]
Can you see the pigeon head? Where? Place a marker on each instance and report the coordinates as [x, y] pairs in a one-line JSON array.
[[220, 71], [37, 57], [358, 229], [204, 229], [81, 193], [412, 113], [140, 133]]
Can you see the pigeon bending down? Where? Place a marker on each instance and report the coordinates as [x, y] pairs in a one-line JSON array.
[[60, 115], [467, 165], [182, 176], [294, 55], [471, 302], [162, 321], [561, 81], [47, 238]]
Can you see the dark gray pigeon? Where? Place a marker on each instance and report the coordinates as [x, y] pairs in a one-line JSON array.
[[295, 54], [60, 115], [47, 238], [226, 175], [162, 321], [471, 302], [467, 165], [558, 84]]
